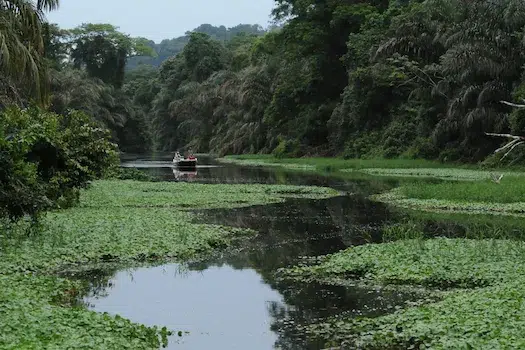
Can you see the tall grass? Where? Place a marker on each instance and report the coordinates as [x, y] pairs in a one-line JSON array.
[[509, 190]]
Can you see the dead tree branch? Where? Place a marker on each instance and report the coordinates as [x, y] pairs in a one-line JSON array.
[[513, 104], [516, 141]]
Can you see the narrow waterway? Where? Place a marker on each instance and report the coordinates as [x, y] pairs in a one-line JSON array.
[[233, 300]]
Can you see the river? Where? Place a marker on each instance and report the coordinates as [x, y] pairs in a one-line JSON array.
[[233, 300]]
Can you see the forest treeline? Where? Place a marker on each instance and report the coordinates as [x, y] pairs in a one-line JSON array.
[[359, 79]]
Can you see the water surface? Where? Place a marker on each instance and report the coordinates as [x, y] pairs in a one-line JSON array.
[[233, 300]]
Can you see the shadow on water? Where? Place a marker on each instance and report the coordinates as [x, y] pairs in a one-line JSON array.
[[233, 300]]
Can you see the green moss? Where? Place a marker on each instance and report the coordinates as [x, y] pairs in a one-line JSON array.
[[117, 221]]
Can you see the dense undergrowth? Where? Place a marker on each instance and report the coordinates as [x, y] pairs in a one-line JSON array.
[[116, 221]]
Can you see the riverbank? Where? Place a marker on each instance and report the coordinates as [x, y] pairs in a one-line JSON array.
[[117, 221], [324, 164]]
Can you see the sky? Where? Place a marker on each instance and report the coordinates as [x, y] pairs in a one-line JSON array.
[[161, 19]]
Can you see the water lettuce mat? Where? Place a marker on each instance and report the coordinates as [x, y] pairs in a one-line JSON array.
[[116, 221], [398, 198], [482, 309]]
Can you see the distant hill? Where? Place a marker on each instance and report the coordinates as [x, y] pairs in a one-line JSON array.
[[170, 47]]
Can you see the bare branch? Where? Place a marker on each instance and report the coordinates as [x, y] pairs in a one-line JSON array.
[[508, 145], [510, 150], [512, 104], [506, 135], [516, 141]]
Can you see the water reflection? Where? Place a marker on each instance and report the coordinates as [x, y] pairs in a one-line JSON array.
[[230, 308], [222, 308], [233, 300], [184, 174]]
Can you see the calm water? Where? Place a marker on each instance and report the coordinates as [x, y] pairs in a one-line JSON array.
[[233, 300]]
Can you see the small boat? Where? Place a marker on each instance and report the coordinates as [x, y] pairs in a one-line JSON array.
[[180, 161]]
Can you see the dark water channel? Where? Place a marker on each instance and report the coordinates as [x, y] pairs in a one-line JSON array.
[[233, 299]]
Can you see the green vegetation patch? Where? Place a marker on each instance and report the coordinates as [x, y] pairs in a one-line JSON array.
[[106, 233], [36, 314], [194, 196], [440, 173], [266, 162], [117, 221], [398, 198], [332, 163], [436, 263], [487, 318], [490, 313], [476, 197], [509, 190]]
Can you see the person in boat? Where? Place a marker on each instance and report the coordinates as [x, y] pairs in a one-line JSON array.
[[190, 155]]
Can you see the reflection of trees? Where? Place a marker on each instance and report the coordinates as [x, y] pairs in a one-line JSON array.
[[312, 224], [97, 281], [230, 173], [308, 303], [302, 227], [298, 227]]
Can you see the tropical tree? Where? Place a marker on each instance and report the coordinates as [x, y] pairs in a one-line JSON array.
[[103, 51], [22, 48], [111, 107]]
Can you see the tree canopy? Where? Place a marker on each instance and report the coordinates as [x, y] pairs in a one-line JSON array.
[[360, 79], [104, 51]]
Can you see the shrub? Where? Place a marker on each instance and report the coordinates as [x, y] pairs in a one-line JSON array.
[[287, 148], [46, 158]]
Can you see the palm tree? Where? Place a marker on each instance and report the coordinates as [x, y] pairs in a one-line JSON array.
[[22, 45]]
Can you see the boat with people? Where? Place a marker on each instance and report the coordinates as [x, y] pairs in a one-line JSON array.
[[190, 161]]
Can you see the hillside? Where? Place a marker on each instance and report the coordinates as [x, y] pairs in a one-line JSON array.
[[170, 47]]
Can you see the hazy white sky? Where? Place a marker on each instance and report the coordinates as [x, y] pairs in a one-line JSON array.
[[161, 19]]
